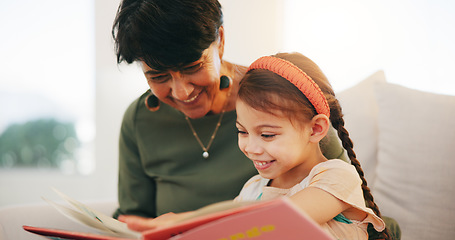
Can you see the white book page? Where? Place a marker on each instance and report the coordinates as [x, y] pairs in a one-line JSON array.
[[79, 217], [92, 218]]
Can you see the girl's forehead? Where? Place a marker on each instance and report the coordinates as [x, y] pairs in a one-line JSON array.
[[247, 114]]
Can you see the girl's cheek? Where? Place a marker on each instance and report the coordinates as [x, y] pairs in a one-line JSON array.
[[242, 144]]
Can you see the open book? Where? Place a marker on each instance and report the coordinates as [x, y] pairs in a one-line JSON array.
[[82, 214], [273, 219]]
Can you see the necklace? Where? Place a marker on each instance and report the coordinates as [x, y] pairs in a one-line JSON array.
[[205, 154]]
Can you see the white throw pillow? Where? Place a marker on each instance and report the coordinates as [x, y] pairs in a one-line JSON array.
[[415, 179], [360, 115]]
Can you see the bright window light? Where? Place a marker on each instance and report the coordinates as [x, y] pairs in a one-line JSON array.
[[47, 85], [412, 41]]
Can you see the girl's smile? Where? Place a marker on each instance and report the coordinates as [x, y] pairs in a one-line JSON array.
[[262, 165]]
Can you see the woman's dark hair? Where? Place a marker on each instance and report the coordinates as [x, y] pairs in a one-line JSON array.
[[165, 33], [268, 92]]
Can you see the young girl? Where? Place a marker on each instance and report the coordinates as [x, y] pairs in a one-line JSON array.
[[285, 107]]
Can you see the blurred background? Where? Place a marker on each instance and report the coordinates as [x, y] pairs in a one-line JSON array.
[[62, 95]]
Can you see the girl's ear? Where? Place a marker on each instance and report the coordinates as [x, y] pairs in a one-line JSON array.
[[320, 125]]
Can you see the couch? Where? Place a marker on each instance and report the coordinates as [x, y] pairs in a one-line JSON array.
[[403, 139]]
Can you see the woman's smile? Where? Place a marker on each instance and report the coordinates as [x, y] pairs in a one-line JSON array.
[[192, 99]]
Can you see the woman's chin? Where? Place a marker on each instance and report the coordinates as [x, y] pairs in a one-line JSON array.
[[195, 113]]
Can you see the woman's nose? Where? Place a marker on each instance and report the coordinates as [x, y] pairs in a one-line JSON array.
[[181, 88]]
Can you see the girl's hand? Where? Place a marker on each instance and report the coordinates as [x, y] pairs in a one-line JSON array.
[[140, 224]]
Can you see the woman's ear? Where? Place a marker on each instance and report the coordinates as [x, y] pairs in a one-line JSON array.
[[221, 42], [320, 125]]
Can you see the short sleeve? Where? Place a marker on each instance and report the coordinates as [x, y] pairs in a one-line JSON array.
[[338, 178], [342, 181]]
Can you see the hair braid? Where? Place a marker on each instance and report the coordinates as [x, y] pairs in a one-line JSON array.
[[337, 121]]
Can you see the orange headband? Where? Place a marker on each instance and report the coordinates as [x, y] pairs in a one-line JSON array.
[[297, 77]]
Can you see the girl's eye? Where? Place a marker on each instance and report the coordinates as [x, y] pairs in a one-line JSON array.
[[268, 135], [241, 132]]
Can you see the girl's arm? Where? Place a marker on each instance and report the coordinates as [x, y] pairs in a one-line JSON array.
[[140, 224], [318, 204]]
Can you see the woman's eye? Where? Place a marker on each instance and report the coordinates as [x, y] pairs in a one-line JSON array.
[[192, 69], [159, 78]]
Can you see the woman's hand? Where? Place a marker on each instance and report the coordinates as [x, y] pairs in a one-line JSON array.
[[140, 224]]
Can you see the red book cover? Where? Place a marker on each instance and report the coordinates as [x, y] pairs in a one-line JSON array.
[[274, 219], [64, 234]]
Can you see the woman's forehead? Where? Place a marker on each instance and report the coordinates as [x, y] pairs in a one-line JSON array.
[[207, 56]]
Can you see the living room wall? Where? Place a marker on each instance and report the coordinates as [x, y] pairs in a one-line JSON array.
[[118, 85]]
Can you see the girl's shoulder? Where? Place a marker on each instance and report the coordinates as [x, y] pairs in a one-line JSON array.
[[252, 189], [256, 180], [334, 171], [334, 164]]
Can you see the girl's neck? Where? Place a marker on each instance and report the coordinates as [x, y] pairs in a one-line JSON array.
[[297, 174]]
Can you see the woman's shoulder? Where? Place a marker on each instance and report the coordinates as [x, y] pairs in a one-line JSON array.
[[137, 103]]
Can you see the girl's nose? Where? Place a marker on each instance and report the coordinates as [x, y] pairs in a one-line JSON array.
[[252, 147]]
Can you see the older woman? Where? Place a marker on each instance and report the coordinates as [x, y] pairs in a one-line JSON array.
[[178, 141]]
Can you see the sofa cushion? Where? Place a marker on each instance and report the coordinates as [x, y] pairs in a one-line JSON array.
[[415, 183], [360, 114]]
